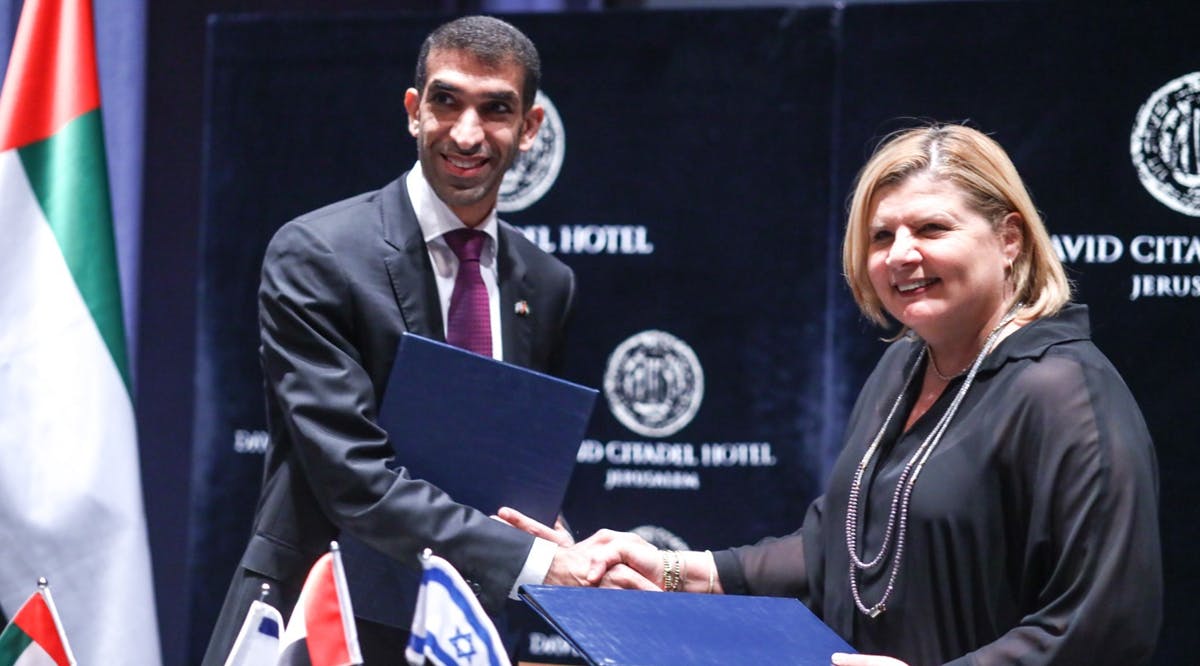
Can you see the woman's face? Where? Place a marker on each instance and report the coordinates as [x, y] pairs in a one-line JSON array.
[[937, 265]]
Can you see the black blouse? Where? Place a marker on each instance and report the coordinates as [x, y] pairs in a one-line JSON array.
[[1032, 534]]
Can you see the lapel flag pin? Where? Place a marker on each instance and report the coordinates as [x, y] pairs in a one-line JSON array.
[[521, 308]]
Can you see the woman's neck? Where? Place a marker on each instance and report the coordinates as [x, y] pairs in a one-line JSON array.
[[953, 355]]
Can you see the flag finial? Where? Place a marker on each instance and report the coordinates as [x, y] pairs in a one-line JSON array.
[[264, 591]]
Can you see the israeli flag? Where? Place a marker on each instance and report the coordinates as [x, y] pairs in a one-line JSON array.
[[257, 643], [449, 626]]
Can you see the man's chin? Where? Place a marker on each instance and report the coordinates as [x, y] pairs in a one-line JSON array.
[[473, 201], [467, 197]]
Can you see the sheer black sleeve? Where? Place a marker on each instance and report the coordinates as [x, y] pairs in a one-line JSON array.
[[775, 566], [1090, 579]]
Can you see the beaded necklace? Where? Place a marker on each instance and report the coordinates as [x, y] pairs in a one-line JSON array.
[[898, 513]]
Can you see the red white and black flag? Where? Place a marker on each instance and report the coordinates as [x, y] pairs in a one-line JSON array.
[[321, 630]]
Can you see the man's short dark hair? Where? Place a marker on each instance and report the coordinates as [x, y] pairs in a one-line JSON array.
[[492, 42]]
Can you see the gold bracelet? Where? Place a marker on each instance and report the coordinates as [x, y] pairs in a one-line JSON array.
[[666, 570], [674, 571], [682, 559], [670, 571], [712, 571], [666, 562]]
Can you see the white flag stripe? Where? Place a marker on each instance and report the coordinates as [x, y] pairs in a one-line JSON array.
[[34, 655], [70, 494]]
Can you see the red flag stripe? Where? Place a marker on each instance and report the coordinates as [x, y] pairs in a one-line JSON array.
[[35, 619], [52, 73], [323, 617]]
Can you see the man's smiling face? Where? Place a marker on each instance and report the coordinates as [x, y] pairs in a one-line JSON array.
[[470, 126]]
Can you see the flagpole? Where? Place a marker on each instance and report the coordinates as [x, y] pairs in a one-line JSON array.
[[349, 628], [44, 590]]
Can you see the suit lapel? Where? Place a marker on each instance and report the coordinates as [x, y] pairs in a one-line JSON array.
[[415, 288], [516, 290], [408, 265]]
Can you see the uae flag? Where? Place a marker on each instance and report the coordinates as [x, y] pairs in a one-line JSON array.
[[35, 636], [70, 490], [321, 630]]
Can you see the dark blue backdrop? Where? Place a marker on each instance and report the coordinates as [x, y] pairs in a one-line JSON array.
[[727, 142]]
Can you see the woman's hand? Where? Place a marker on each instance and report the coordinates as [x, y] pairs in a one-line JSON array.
[[608, 559], [623, 577], [843, 659]]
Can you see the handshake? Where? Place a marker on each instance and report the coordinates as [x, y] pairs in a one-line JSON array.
[[619, 559], [626, 560]]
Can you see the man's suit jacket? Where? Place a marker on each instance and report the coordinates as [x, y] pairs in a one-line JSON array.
[[339, 286]]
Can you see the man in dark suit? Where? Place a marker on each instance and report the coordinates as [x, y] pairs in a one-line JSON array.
[[340, 285]]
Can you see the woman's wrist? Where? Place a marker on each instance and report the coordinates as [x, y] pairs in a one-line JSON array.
[[700, 573]]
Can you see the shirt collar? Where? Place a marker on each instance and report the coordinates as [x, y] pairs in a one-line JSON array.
[[1070, 324], [1032, 340]]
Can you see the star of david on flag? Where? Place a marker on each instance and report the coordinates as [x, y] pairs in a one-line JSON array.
[[449, 626]]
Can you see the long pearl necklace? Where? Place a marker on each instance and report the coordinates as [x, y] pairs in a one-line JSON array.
[[898, 513]]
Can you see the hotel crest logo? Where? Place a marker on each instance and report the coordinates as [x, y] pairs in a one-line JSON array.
[[535, 170], [654, 384], [1165, 144]]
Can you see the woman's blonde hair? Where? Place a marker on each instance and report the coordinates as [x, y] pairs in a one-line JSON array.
[[983, 171]]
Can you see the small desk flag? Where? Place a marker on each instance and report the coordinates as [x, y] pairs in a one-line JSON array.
[[257, 643], [321, 631], [35, 635], [449, 627]]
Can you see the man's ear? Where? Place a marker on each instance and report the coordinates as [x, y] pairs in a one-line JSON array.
[[412, 104], [530, 125]]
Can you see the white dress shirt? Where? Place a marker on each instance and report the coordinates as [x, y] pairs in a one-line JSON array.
[[436, 218]]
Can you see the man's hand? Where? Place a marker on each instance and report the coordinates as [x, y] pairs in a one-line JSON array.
[[558, 534], [608, 559]]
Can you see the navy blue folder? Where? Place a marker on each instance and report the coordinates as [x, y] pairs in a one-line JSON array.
[[632, 627], [489, 434]]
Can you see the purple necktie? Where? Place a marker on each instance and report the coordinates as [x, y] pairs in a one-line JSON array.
[[469, 322]]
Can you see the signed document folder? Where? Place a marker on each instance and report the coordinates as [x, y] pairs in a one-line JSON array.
[[487, 433], [635, 628]]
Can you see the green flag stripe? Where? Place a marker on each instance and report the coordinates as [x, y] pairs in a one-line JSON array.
[[12, 643], [69, 177]]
